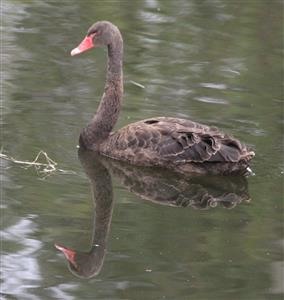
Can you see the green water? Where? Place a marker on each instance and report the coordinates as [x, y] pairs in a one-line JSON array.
[[217, 62]]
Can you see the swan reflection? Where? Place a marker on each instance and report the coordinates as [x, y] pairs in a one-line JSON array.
[[151, 184]]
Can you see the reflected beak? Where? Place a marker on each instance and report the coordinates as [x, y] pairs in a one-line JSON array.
[[85, 45], [68, 253]]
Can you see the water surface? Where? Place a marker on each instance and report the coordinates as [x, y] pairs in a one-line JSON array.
[[217, 62]]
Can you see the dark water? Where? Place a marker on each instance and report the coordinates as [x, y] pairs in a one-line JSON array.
[[218, 62]]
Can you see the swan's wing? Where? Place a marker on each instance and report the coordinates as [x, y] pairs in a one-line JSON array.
[[187, 141], [176, 141]]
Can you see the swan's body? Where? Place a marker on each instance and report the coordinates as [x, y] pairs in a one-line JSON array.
[[174, 143]]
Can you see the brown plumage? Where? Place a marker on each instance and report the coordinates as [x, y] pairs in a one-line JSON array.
[[178, 144]]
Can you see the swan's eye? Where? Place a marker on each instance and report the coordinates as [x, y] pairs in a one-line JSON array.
[[92, 33]]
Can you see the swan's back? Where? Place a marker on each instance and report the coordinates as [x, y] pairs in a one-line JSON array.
[[178, 144]]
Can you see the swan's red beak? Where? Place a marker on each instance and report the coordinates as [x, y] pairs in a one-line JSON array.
[[85, 45]]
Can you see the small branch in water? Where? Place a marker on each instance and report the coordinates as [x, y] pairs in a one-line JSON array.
[[47, 167], [137, 84]]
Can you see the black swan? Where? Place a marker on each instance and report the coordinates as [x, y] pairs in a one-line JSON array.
[[178, 144]]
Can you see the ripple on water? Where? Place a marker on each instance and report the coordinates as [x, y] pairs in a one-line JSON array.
[[156, 18], [211, 85], [211, 100], [20, 269], [250, 127]]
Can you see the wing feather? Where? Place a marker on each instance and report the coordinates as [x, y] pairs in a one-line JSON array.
[[173, 140]]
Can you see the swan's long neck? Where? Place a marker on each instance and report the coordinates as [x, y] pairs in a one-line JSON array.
[[108, 111]]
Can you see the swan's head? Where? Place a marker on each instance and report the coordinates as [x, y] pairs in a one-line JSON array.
[[102, 33]]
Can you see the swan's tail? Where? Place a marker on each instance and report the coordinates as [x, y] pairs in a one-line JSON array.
[[249, 172]]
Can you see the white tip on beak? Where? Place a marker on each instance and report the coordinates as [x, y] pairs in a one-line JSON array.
[[75, 51]]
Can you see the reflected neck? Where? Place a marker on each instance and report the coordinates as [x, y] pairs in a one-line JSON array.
[[102, 194], [109, 108]]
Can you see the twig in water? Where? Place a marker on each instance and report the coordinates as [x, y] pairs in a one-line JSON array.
[[47, 167]]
